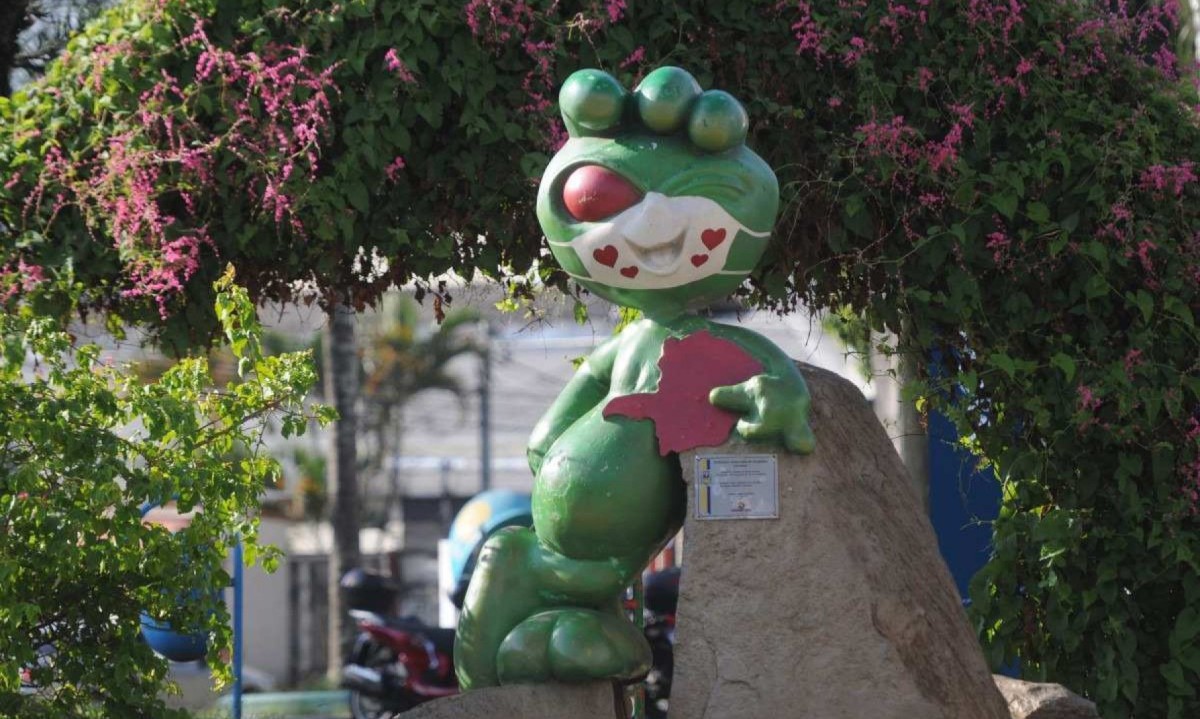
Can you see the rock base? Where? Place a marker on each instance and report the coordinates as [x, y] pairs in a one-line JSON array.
[[842, 607], [1029, 700]]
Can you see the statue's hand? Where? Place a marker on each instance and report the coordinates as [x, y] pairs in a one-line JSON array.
[[773, 408]]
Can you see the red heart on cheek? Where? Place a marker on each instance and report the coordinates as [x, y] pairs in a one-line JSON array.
[[630, 271], [606, 255], [712, 238], [698, 260]]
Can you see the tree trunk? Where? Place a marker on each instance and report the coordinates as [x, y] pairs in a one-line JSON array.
[[342, 388], [14, 18]]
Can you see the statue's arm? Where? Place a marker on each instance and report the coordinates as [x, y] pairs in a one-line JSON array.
[[775, 404], [590, 581], [586, 389]]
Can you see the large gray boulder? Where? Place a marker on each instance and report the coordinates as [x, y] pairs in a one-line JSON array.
[[1031, 700], [841, 608]]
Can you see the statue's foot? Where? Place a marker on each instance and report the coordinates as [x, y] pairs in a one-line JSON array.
[[573, 645]]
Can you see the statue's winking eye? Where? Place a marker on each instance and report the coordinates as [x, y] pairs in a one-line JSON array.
[[593, 193]]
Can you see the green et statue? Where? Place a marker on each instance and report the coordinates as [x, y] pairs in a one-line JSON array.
[[654, 203]]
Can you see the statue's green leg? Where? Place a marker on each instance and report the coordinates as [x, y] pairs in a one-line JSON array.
[[503, 592], [573, 645]]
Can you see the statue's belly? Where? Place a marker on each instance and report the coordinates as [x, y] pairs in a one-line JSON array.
[[604, 490]]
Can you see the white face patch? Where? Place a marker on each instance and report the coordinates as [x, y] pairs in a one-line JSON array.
[[659, 243]]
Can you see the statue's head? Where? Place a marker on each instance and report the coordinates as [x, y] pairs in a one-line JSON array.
[[655, 202]]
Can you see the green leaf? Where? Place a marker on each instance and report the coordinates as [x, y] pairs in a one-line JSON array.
[[1177, 685], [1096, 286], [1145, 303], [356, 192], [1004, 362], [1006, 203], [1065, 363]]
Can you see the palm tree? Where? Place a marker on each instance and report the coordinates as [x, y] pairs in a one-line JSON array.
[[401, 357], [404, 357]]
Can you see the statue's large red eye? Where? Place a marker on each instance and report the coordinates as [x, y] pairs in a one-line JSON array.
[[593, 193]]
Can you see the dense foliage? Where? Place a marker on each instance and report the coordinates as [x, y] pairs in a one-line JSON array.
[[1012, 183], [83, 447]]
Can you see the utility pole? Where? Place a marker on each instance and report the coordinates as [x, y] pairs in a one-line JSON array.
[[485, 410]]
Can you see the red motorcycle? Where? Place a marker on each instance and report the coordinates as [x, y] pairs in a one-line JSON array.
[[397, 662]]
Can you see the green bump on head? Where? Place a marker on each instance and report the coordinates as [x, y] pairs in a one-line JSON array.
[[718, 122], [591, 100], [664, 98]]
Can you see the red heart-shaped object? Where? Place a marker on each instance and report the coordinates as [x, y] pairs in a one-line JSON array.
[[606, 255], [712, 238], [698, 260], [630, 271]]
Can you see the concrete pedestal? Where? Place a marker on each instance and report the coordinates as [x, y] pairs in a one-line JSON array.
[[531, 701]]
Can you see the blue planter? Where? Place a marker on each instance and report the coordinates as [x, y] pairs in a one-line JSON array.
[[173, 645]]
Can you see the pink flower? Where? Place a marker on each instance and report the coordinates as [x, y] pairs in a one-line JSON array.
[[1193, 428], [615, 9], [1166, 177], [834, 102], [1088, 401], [807, 32], [1143, 254], [634, 57], [966, 114], [556, 136], [1133, 359], [858, 47], [924, 77], [394, 167], [397, 66], [1004, 15], [892, 138], [931, 199], [999, 243]]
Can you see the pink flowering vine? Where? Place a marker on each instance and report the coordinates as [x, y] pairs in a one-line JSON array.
[[394, 167], [999, 242], [19, 278], [807, 31], [637, 56], [1088, 401], [893, 138], [1132, 360], [924, 77], [499, 23], [147, 187], [1168, 178], [397, 67]]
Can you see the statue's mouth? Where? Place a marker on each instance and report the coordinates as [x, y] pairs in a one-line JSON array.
[[662, 258]]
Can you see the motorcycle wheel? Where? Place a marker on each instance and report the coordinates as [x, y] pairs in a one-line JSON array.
[[365, 706]]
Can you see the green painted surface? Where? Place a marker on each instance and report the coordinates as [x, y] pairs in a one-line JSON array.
[[544, 604]]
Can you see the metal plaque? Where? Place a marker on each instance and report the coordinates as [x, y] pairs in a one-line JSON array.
[[736, 486]]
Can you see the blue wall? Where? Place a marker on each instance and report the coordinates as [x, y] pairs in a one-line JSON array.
[[962, 500]]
